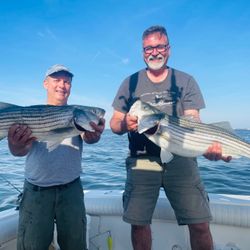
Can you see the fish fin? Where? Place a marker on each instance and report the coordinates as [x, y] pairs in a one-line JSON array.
[[235, 156], [229, 153], [55, 137], [4, 105], [52, 145], [166, 156], [225, 125]]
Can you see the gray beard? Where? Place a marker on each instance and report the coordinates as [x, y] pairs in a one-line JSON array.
[[153, 65]]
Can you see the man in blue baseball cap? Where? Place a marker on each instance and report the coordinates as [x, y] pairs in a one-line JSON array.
[[52, 190], [57, 68]]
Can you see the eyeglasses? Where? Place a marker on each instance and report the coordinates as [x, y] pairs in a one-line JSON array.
[[160, 48]]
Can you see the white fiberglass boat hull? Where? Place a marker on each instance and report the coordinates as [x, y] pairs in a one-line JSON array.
[[230, 226]]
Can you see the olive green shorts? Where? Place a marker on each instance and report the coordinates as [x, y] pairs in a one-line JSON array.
[[41, 207], [181, 182]]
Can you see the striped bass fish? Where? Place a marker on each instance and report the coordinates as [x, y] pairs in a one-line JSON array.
[[50, 123], [186, 137]]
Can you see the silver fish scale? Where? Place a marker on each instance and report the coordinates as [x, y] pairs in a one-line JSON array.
[[212, 130], [186, 137], [37, 117], [203, 135], [50, 118], [189, 125], [47, 122]]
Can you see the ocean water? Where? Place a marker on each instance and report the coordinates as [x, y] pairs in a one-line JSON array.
[[103, 168]]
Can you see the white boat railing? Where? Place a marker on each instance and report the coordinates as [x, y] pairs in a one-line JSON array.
[[230, 225]]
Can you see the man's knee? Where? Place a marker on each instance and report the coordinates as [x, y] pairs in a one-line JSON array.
[[201, 228], [140, 227]]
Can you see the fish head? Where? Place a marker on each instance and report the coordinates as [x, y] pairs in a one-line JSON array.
[[149, 124], [96, 112], [140, 109], [82, 116], [148, 116]]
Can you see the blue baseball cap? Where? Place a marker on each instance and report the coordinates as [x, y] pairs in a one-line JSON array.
[[58, 68]]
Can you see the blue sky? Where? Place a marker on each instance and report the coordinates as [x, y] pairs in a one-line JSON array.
[[100, 41]]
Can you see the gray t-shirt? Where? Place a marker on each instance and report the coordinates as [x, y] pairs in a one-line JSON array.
[[178, 92], [59, 166]]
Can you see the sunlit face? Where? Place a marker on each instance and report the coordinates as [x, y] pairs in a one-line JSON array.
[[155, 51], [58, 88]]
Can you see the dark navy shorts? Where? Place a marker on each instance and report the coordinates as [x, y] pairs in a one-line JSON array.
[[181, 182]]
